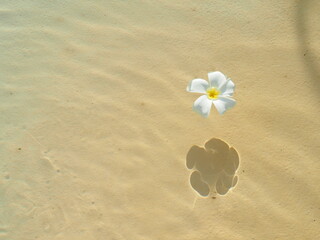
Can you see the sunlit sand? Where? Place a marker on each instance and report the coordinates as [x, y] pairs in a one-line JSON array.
[[97, 126]]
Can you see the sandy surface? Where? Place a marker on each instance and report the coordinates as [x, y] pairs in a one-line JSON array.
[[96, 123]]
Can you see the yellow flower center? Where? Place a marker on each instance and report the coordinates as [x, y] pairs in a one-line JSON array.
[[213, 93]]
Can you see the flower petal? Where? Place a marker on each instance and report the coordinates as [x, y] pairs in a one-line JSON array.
[[198, 86], [223, 104], [217, 79], [228, 89], [202, 106]]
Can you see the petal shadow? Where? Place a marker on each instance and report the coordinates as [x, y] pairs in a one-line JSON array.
[[198, 185]]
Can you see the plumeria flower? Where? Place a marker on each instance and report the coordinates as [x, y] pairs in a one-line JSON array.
[[218, 91]]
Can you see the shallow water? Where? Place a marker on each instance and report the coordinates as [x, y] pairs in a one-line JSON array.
[[97, 125]]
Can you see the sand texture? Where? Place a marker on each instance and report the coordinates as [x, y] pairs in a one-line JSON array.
[[98, 139]]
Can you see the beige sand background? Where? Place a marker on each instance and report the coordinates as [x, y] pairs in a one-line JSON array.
[[96, 123]]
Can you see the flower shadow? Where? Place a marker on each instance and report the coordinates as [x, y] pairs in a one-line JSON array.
[[214, 167]]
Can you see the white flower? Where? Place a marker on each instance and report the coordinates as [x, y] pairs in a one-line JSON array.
[[218, 92]]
